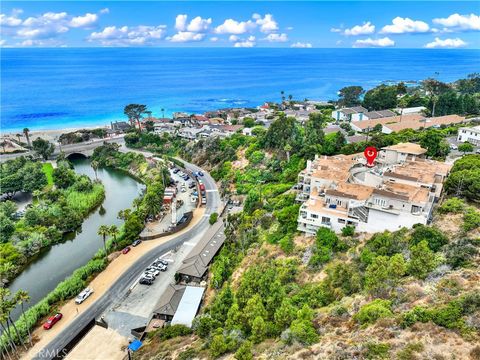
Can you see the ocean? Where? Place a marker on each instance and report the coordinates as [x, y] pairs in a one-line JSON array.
[[72, 87]]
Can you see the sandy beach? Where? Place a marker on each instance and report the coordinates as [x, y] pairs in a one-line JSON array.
[[50, 135]]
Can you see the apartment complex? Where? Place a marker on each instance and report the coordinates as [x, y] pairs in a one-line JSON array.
[[472, 135], [399, 191]]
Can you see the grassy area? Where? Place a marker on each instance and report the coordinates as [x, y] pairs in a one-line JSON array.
[[48, 170], [84, 202]]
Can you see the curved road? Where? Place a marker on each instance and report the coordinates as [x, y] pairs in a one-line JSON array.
[[120, 288]]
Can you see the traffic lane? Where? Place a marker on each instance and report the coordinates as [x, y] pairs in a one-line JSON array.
[[117, 292]]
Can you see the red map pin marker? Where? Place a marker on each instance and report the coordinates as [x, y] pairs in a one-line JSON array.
[[370, 153]]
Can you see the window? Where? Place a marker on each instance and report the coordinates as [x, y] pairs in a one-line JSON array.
[[339, 202], [325, 220], [327, 200], [314, 216], [341, 221], [380, 202]]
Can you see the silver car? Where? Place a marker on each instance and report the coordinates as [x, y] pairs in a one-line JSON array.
[[83, 295]]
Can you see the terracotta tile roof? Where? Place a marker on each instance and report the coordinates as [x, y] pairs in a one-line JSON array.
[[408, 148], [363, 125]]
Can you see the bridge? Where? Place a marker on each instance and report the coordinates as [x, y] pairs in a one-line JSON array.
[[84, 148]]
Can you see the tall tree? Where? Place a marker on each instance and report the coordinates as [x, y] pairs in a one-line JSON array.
[[350, 96], [26, 132], [113, 231], [43, 148], [23, 297], [135, 114], [104, 231], [94, 164], [434, 88]]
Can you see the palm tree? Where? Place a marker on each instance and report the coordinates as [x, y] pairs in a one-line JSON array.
[[163, 112], [94, 164], [4, 315], [23, 297], [283, 95], [104, 231], [113, 231], [25, 132]]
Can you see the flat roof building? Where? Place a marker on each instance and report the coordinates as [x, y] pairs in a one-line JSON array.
[[188, 307]]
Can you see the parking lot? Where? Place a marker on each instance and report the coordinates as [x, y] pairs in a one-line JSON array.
[[454, 153]]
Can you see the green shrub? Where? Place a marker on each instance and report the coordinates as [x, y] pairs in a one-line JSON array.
[[376, 350], [417, 314], [408, 352], [471, 219], [213, 218], [370, 313], [348, 230], [244, 352], [461, 252], [452, 205], [432, 235], [172, 331]]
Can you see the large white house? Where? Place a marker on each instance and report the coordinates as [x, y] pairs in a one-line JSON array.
[[472, 135], [398, 192]]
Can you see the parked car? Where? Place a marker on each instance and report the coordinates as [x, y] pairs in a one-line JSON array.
[[52, 320], [200, 173], [478, 151], [161, 267], [83, 295], [161, 261], [453, 147], [136, 242], [204, 200], [176, 170], [152, 271], [183, 189], [126, 250], [191, 185], [148, 276], [146, 281], [193, 199]]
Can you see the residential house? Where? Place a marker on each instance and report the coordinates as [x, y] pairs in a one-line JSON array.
[[410, 110], [398, 192], [189, 133], [472, 135], [371, 115], [423, 122], [120, 126], [368, 125], [345, 114]]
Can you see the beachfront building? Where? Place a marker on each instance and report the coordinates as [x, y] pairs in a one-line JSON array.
[[371, 115], [346, 114], [471, 135], [399, 191]]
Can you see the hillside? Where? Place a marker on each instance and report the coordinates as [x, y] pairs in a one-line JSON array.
[[275, 294]]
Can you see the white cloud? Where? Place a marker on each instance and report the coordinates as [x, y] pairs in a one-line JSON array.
[[186, 36], [181, 22], [87, 20], [336, 30], [250, 42], [199, 25], [289, 28], [214, 39], [276, 37], [447, 43], [3, 42], [460, 22], [233, 38], [12, 20], [125, 35], [267, 23], [405, 25], [104, 11], [366, 28], [301, 45], [231, 26], [384, 42], [196, 25], [43, 29]]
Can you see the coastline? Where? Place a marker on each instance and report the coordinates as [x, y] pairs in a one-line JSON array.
[[49, 134]]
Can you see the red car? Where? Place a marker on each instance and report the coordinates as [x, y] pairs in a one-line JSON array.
[[52, 320], [126, 250]]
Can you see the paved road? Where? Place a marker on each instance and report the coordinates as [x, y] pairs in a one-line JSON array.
[[120, 288]]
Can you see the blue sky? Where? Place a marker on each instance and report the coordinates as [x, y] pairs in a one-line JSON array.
[[389, 24]]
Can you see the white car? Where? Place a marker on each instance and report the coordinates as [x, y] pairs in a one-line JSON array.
[[193, 199], [453, 147], [152, 272], [83, 295], [183, 189]]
